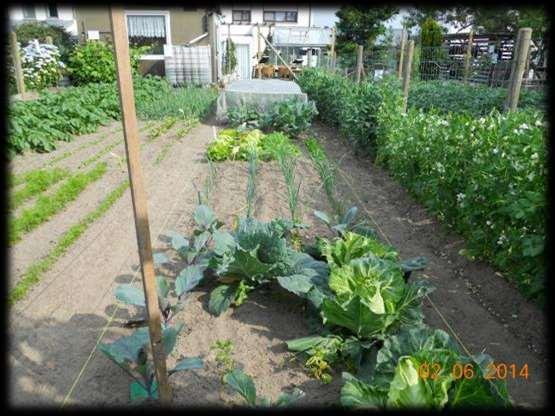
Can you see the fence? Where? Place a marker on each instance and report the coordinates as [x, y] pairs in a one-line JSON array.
[[482, 66], [189, 65]]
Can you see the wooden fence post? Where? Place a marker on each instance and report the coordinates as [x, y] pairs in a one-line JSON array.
[[138, 196], [360, 51], [212, 39], [332, 51], [48, 40], [406, 74], [402, 52], [517, 68], [17, 65], [468, 57]]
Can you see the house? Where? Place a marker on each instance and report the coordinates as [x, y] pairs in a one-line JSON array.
[[148, 26], [51, 13], [292, 28]]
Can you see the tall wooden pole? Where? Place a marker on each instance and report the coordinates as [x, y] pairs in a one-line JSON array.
[[468, 56], [402, 52], [406, 74], [212, 38], [17, 65], [332, 51], [360, 51], [517, 69], [138, 196]]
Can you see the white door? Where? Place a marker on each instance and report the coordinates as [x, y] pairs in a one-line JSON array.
[[243, 60]]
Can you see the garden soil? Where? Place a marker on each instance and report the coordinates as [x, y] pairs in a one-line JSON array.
[[54, 329]]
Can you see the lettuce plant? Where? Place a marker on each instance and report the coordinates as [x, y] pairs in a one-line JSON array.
[[398, 382], [367, 298]]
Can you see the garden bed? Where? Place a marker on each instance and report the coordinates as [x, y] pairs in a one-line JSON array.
[[74, 301]]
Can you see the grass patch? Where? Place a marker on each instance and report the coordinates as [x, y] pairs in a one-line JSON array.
[[38, 181], [35, 271], [47, 206]]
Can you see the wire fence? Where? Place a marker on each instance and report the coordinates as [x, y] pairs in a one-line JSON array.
[[432, 64]]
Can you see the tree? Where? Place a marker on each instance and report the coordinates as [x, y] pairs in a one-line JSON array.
[[431, 38], [360, 25], [230, 57]]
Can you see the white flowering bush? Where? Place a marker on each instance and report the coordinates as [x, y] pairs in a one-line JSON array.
[[485, 176], [41, 65]]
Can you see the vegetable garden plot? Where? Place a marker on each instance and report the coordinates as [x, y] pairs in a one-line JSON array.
[[290, 291]]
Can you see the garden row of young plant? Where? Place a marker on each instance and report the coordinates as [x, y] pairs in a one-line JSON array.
[[38, 124], [485, 176], [38, 183], [368, 315]]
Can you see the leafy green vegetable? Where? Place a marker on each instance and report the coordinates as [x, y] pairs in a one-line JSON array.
[[243, 384], [259, 254], [236, 145], [399, 380]]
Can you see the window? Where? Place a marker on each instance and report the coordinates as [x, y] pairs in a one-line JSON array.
[[280, 16], [150, 30], [241, 16], [29, 12], [52, 10]]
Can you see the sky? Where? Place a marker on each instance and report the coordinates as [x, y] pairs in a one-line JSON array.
[[325, 16]]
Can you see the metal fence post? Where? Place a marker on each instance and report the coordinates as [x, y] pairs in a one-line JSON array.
[[359, 62], [406, 74], [517, 69]]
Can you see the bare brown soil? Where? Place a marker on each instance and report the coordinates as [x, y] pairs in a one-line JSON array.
[[53, 331]]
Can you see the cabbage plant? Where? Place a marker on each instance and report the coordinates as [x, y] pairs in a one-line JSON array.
[[367, 298], [399, 382]]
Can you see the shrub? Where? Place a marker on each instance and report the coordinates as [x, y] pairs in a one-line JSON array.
[[93, 61], [29, 31], [41, 65]]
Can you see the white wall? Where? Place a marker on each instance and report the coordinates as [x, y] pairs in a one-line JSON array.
[[65, 15], [247, 33], [323, 16]]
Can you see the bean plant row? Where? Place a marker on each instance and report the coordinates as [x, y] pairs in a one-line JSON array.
[[485, 176]]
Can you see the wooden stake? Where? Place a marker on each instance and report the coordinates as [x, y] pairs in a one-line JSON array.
[[278, 55], [402, 52], [360, 50], [332, 51], [138, 196], [406, 74], [468, 57], [48, 40], [17, 65], [212, 35], [517, 68]]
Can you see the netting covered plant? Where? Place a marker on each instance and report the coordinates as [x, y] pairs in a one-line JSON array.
[[41, 65]]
